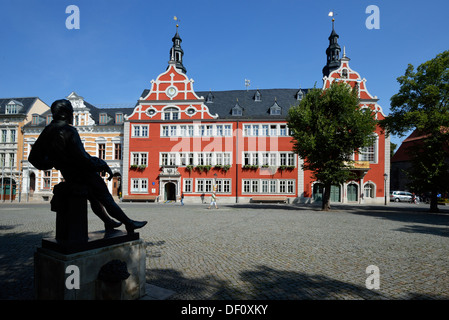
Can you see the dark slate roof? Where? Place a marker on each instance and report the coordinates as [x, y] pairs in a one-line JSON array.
[[26, 102], [95, 113], [223, 102]]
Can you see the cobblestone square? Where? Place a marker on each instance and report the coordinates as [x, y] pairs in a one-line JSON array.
[[260, 251]]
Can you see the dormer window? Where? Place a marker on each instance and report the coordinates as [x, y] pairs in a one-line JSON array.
[[257, 96], [49, 118], [13, 107], [103, 118], [275, 110], [210, 98], [35, 120], [119, 118], [237, 110], [299, 95]]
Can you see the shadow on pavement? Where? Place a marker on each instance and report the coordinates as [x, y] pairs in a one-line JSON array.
[[17, 263]]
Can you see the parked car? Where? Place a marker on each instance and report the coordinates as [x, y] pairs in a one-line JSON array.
[[400, 196]]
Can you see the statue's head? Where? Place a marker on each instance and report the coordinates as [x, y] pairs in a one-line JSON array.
[[62, 110]]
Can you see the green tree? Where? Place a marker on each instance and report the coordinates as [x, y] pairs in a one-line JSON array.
[[327, 127], [422, 105]]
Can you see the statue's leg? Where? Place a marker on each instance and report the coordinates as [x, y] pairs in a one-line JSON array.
[[98, 209], [99, 191]]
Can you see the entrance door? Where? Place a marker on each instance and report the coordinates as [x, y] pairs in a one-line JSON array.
[[170, 191], [116, 184], [335, 194], [32, 182], [317, 192], [352, 192]]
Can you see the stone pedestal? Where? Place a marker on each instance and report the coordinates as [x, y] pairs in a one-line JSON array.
[[52, 270]]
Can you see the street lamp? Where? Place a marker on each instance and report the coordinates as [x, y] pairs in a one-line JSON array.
[[385, 187]]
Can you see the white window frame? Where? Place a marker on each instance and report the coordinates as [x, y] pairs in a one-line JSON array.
[[141, 129], [141, 183]]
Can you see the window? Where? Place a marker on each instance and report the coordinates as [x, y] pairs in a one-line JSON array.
[[140, 131], [191, 132], [171, 114], [183, 131], [257, 96], [4, 135], [12, 159], [11, 108], [173, 131], [344, 74], [227, 159], [237, 110], [265, 130], [118, 151], [283, 130], [187, 185], [204, 185], [247, 130], [220, 130], [209, 130], [273, 130], [139, 158], [103, 118], [255, 130], [2, 159], [246, 186], [49, 118], [139, 185], [267, 186], [102, 151], [165, 132], [223, 185], [227, 130], [35, 120], [369, 190], [119, 118], [369, 153], [299, 95], [46, 181]]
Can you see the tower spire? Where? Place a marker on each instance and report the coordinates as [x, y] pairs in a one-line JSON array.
[[332, 52], [176, 52]]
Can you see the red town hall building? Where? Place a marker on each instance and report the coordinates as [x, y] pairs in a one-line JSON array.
[[181, 142]]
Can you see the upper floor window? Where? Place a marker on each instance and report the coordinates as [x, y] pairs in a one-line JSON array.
[[237, 110], [257, 96], [299, 95], [171, 114], [103, 118], [102, 151], [369, 153], [12, 107], [49, 118], [344, 74], [35, 120], [119, 118], [275, 110], [140, 131]]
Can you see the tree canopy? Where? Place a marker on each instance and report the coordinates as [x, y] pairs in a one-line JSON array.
[[328, 126], [422, 104]]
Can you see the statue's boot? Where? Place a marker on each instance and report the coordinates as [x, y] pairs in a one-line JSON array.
[[131, 225]]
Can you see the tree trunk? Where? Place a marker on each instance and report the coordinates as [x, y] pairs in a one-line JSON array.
[[433, 202], [326, 204]]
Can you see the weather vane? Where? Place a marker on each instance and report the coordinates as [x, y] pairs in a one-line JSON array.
[[177, 20]]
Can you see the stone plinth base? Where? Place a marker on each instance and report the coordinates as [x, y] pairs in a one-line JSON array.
[[54, 276]]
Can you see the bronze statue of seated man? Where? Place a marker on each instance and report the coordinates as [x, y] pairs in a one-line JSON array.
[[59, 146]]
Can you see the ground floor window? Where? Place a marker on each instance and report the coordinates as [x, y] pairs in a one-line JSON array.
[[268, 186], [139, 185], [369, 190]]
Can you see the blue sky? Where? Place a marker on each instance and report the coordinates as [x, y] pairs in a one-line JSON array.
[[122, 45]]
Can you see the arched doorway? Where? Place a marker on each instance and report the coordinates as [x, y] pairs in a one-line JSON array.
[[32, 183], [170, 191], [352, 192], [317, 192]]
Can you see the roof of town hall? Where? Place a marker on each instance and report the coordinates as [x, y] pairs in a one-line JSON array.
[[222, 102]]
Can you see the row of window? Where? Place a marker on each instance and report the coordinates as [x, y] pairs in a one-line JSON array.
[[212, 130], [268, 186], [269, 158], [250, 186], [183, 159], [265, 130], [195, 158]]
